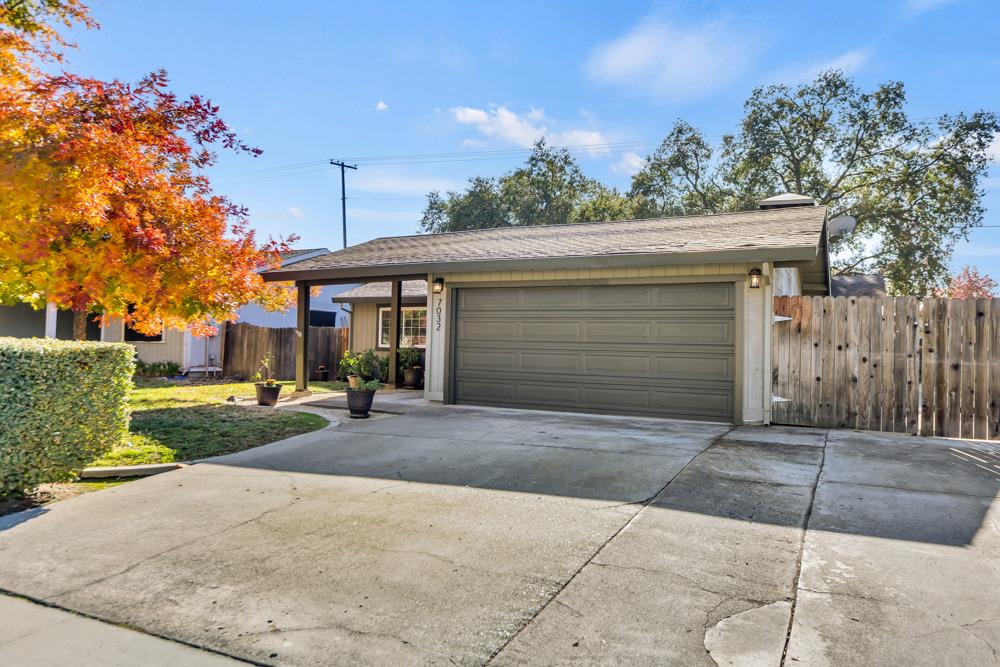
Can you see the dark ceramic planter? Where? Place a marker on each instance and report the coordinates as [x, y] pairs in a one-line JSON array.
[[323, 374], [359, 402], [413, 377], [267, 395]]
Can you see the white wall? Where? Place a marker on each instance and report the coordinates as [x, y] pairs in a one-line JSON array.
[[254, 314]]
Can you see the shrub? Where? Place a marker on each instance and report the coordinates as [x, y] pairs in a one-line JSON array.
[[156, 368], [409, 357], [368, 365], [66, 405], [348, 365]]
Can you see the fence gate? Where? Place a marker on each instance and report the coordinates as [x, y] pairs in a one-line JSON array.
[[925, 366]]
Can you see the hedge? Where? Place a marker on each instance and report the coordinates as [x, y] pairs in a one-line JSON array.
[[64, 404]]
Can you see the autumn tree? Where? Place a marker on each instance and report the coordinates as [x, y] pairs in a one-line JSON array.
[[968, 283], [104, 204]]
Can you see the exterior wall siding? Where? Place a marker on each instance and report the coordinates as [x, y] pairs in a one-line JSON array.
[[171, 349], [364, 321]]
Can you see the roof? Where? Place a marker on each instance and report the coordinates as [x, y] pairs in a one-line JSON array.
[[863, 285], [413, 290], [298, 254], [792, 233], [787, 199]]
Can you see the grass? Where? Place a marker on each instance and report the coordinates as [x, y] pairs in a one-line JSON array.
[[178, 421]]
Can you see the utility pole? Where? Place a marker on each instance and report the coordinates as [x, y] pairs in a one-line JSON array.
[[343, 194]]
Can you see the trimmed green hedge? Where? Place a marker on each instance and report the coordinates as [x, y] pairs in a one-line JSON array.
[[64, 404]]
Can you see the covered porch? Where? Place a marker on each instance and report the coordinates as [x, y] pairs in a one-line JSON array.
[[303, 364]]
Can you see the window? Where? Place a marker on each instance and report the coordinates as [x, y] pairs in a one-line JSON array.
[[133, 336], [413, 328]]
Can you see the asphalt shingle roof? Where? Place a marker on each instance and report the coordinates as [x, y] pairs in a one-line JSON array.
[[796, 227], [863, 285], [411, 288]]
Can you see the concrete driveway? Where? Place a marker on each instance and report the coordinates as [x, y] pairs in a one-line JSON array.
[[460, 535]]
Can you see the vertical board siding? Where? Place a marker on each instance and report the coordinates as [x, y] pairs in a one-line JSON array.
[[248, 344], [902, 364]]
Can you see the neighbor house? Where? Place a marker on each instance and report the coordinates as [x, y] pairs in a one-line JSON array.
[[667, 317], [191, 353]]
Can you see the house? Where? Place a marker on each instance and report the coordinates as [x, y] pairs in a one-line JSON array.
[[191, 353], [323, 310], [664, 317], [860, 285], [371, 307]]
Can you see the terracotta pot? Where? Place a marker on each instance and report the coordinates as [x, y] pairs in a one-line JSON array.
[[353, 380], [359, 402], [267, 394]]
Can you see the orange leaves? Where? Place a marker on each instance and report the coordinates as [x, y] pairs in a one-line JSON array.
[[103, 204]]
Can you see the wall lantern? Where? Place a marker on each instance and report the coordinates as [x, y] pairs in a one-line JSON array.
[[754, 278], [439, 285]]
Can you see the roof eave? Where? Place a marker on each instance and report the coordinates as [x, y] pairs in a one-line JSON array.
[[415, 271]]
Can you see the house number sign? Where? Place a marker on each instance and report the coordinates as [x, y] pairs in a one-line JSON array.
[[437, 313]]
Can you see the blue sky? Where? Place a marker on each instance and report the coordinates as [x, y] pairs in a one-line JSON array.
[[309, 81]]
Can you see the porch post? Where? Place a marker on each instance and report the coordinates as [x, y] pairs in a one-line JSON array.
[[302, 339], [395, 314]]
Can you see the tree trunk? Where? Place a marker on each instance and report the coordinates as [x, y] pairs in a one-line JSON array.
[[79, 325]]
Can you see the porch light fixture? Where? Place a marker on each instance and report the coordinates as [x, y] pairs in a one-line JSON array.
[[439, 285], [754, 278]]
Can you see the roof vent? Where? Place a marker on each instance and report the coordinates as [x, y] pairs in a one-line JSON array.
[[787, 200]]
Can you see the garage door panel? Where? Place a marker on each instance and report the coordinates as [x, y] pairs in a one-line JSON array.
[[719, 332], [708, 367], [635, 349]]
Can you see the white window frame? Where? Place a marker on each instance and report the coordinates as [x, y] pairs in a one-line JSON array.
[[384, 310]]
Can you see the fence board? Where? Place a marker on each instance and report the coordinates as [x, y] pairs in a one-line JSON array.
[[247, 345], [980, 412], [927, 366]]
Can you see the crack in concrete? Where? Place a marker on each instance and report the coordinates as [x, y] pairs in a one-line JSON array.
[[802, 546], [175, 547], [599, 549]]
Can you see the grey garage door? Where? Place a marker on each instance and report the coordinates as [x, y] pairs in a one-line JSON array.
[[632, 349]]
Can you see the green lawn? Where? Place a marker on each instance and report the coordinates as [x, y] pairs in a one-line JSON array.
[[176, 421]]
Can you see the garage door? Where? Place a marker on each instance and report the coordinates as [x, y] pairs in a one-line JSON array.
[[662, 350]]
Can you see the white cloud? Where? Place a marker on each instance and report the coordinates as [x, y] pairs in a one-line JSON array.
[[381, 106], [501, 124], [914, 7], [389, 181], [630, 164], [668, 61], [296, 212], [849, 62]]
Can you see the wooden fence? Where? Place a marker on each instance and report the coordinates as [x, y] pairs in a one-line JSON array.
[[924, 366], [247, 344]]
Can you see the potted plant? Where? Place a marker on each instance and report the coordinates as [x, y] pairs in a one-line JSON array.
[[359, 400], [413, 373], [322, 373], [267, 387], [349, 368]]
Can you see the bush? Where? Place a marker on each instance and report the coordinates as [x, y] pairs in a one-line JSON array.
[[157, 368], [66, 405]]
